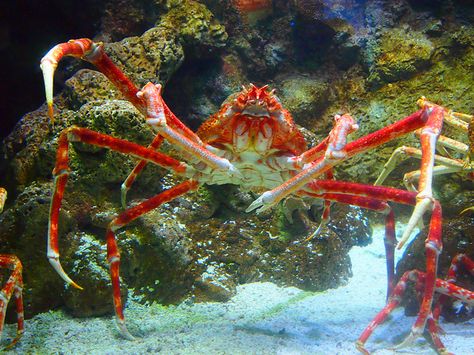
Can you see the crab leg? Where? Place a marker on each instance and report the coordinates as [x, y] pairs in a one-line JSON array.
[[13, 287], [3, 198], [94, 53], [373, 204], [460, 260], [155, 144], [148, 101], [446, 288], [325, 216], [113, 255], [407, 152], [61, 172], [156, 118]]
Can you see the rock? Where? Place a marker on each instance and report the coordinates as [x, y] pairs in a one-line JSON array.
[[401, 53], [304, 97]]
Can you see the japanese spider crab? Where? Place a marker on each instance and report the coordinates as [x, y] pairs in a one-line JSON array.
[[251, 142], [13, 286], [447, 288]]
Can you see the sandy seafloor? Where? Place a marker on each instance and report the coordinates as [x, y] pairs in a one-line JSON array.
[[261, 319]]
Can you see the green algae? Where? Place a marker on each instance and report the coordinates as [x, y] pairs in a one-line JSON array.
[[401, 53]]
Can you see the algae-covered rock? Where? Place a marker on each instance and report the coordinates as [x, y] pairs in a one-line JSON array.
[[304, 96], [401, 53], [154, 56]]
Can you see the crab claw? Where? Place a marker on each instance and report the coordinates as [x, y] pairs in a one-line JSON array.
[[122, 328], [422, 205], [75, 48], [262, 203], [54, 261]]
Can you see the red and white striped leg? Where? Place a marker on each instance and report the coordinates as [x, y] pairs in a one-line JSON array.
[[155, 144], [373, 204], [61, 172], [113, 255], [13, 287], [94, 53], [148, 101]]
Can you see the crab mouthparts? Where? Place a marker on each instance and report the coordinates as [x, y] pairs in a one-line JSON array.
[[256, 109]]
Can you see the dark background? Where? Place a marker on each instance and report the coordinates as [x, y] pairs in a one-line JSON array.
[[28, 29]]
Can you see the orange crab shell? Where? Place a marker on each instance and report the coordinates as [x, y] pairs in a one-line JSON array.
[[222, 127], [252, 5]]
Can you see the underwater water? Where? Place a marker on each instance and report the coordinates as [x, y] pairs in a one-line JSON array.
[[235, 175]]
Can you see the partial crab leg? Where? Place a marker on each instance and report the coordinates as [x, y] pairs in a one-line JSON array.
[[325, 216], [155, 144], [373, 204], [113, 255], [441, 286], [13, 287], [156, 118], [404, 152], [3, 198], [459, 261], [61, 172], [94, 53]]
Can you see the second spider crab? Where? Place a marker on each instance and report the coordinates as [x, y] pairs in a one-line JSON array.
[[252, 142]]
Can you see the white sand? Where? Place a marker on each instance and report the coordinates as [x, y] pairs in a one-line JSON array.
[[261, 319]]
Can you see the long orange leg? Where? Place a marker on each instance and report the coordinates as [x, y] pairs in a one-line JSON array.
[[113, 255], [148, 101], [13, 287], [61, 172]]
